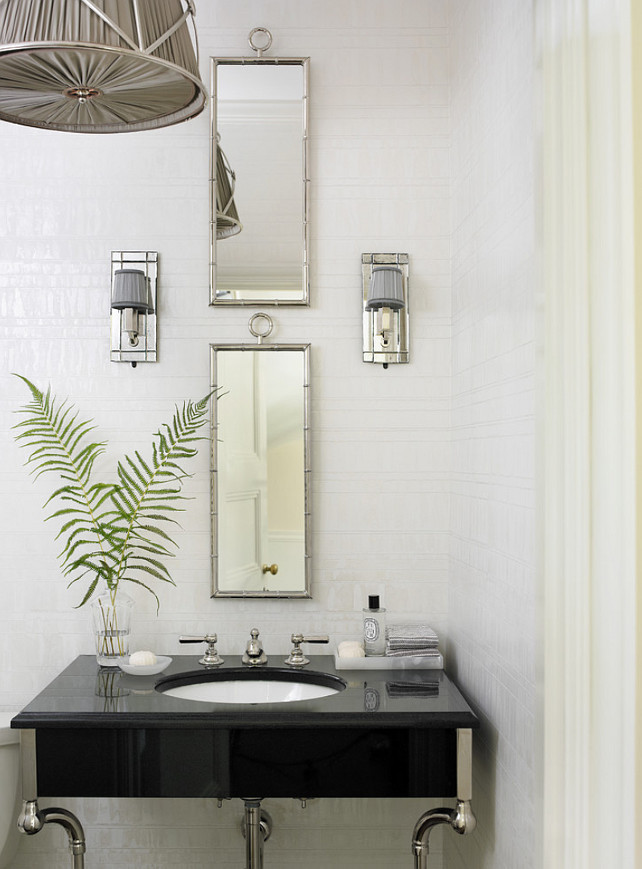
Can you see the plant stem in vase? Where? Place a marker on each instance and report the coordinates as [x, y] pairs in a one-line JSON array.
[[111, 615]]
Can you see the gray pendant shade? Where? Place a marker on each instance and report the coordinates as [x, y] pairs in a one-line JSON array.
[[227, 217], [130, 290], [386, 289], [98, 66]]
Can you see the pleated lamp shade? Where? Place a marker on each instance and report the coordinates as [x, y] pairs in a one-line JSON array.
[[130, 290], [98, 66], [386, 289]]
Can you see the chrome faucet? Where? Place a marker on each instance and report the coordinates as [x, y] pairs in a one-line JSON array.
[[254, 655]]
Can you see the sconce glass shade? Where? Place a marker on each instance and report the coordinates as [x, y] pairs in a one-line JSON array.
[[130, 290], [98, 66], [386, 289]]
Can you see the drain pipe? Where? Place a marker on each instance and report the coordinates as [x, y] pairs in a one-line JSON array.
[[256, 827], [32, 819], [461, 819]]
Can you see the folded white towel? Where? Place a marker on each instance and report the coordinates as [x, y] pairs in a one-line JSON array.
[[351, 649]]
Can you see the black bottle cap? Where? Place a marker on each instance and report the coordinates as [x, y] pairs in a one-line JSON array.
[[373, 601]]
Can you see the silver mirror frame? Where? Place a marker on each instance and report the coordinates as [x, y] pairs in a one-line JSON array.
[[260, 60], [260, 348]]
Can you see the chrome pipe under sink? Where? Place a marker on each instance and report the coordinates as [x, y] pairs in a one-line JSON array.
[[257, 827]]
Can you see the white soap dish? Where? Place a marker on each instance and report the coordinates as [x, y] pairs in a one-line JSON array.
[[405, 662], [144, 669]]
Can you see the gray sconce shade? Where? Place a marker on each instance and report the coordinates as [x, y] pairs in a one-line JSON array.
[[386, 289], [98, 66], [130, 290]]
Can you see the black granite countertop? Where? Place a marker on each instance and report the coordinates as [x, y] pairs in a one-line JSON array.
[[84, 696]]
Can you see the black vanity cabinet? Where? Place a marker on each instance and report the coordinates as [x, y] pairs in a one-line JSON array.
[[389, 733]]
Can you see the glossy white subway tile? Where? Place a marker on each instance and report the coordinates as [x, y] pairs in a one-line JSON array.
[[380, 170], [492, 581]]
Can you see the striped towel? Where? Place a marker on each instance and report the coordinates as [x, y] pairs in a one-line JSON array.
[[409, 639]]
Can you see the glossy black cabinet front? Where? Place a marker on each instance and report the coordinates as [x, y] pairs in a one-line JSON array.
[[238, 763]]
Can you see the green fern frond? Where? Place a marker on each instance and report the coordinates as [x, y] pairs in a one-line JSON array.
[[109, 529]]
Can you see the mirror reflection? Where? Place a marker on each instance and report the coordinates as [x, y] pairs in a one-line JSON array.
[[258, 162], [260, 469]]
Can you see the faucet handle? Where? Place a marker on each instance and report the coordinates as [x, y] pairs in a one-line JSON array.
[[211, 658], [296, 657]]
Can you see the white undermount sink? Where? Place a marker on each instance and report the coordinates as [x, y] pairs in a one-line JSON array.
[[243, 686]]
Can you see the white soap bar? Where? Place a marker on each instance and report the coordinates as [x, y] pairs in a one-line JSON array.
[[351, 649], [143, 659]]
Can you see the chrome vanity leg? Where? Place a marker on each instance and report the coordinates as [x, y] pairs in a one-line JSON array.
[[461, 818], [32, 819], [257, 826]]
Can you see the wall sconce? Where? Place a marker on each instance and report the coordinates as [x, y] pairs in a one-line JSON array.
[[133, 306], [385, 307]]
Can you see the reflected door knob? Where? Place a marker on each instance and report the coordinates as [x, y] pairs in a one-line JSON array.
[[270, 568]]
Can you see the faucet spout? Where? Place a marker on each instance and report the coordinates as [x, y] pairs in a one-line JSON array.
[[254, 654]]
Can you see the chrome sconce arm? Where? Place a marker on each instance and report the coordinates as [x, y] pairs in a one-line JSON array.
[[385, 307]]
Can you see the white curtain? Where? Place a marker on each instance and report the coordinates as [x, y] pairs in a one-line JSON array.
[[588, 453]]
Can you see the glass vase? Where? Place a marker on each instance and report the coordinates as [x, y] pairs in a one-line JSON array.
[[111, 614]]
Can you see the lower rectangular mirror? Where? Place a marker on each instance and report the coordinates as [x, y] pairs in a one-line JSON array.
[[260, 470]]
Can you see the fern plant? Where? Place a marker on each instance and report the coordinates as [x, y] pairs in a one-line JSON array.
[[112, 531]]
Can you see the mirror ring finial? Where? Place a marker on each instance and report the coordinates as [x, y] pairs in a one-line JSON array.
[[260, 333], [267, 41]]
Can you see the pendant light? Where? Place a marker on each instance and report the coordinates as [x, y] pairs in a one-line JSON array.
[[98, 66], [227, 216]]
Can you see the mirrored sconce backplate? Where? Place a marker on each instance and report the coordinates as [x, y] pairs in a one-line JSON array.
[[133, 300], [260, 470]]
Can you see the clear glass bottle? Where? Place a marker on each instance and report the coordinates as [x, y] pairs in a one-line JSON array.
[[374, 627]]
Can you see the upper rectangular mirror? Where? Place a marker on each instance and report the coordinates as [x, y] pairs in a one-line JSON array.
[[259, 183]]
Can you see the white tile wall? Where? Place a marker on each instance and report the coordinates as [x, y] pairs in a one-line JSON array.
[[398, 503], [492, 586], [380, 125]]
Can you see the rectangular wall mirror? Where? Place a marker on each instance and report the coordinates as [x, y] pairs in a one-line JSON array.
[[260, 470], [259, 181]]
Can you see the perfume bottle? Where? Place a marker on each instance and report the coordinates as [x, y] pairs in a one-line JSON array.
[[374, 627]]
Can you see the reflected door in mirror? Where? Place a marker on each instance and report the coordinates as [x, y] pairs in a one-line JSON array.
[[260, 472]]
